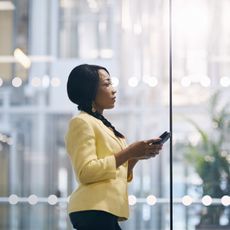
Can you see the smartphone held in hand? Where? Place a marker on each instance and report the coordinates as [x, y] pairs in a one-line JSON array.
[[163, 138]]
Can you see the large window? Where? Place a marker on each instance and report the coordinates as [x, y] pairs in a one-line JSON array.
[[131, 39], [86, 29]]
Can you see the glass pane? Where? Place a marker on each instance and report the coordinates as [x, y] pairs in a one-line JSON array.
[[86, 28], [129, 38], [201, 111]]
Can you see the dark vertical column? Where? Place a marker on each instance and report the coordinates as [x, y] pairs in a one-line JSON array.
[[170, 116]]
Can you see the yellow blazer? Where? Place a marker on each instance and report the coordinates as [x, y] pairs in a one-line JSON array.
[[101, 186]]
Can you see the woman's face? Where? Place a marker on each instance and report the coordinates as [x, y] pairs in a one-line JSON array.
[[105, 97]]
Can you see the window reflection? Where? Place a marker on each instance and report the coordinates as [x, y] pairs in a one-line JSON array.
[[86, 29], [131, 39]]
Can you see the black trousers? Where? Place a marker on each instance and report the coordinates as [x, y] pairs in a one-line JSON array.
[[94, 220]]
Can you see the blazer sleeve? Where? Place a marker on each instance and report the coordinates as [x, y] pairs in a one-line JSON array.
[[81, 147]]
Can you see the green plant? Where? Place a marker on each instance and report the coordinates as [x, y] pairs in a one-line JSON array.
[[211, 160]]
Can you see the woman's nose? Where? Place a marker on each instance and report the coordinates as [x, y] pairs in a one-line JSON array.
[[114, 91]]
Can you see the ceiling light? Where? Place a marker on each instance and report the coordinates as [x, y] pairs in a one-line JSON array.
[[52, 199], [36, 82], [22, 58], [187, 200], [45, 81], [151, 81], [151, 200], [16, 82], [185, 81], [207, 200], [225, 81], [205, 81], [32, 199], [55, 82], [133, 82], [225, 200], [6, 5], [132, 200], [13, 199]]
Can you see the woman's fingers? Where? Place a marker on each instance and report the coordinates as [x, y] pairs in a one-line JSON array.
[[151, 141], [145, 149], [154, 147], [153, 150]]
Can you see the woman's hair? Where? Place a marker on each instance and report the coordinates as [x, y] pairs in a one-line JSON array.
[[82, 85]]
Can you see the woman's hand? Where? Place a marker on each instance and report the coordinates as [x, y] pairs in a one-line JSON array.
[[138, 150], [145, 149]]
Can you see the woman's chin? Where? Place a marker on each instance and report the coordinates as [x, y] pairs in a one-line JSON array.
[[112, 106]]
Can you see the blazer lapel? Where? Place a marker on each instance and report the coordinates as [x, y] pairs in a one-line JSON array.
[[110, 132]]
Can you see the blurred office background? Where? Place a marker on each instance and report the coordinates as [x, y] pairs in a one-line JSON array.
[[41, 41]]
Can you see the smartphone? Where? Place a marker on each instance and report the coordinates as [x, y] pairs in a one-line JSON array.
[[163, 138]]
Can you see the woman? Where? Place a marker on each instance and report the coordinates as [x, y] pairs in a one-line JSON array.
[[100, 157]]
